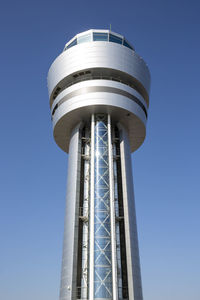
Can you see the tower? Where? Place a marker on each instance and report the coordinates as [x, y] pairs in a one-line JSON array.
[[99, 97]]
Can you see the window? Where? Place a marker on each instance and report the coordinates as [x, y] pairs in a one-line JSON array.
[[73, 43], [115, 39], [125, 43], [100, 36], [84, 38], [56, 106]]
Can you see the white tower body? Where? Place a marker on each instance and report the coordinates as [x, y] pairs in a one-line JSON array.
[[99, 96]]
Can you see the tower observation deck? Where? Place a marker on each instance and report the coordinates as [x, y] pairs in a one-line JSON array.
[[99, 97]]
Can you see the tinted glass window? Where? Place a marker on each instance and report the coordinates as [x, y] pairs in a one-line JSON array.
[[100, 36], [125, 43], [84, 38], [115, 39], [73, 43]]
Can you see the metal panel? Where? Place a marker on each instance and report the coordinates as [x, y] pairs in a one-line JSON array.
[[133, 261], [98, 55], [91, 215], [112, 211], [80, 87], [83, 264], [68, 276], [80, 106], [97, 89]]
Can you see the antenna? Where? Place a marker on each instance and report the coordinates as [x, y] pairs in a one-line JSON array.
[[110, 27]]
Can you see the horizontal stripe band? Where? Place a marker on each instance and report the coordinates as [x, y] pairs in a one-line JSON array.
[[104, 89]]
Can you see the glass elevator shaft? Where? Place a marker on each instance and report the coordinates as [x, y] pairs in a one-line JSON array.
[[102, 211], [102, 267]]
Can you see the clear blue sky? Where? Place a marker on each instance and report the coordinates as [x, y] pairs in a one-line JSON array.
[[166, 168]]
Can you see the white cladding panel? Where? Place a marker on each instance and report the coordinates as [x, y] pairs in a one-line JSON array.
[[69, 261], [79, 108], [78, 89], [133, 260], [99, 98], [98, 55]]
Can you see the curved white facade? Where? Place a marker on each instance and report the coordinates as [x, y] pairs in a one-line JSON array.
[[99, 97], [99, 64]]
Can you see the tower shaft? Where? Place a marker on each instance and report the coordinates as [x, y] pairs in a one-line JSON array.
[[99, 98], [100, 254]]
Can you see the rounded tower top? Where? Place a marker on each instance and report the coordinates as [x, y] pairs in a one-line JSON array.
[[99, 72]]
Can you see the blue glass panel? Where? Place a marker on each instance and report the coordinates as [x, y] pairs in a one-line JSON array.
[[73, 43], [115, 39], [102, 227], [100, 36], [125, 43], [85, 38]]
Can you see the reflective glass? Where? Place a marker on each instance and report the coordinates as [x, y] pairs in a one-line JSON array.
[[125, 43], [73, 43], [102, 230], [115, 39], [100, 36], [85, 38]]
